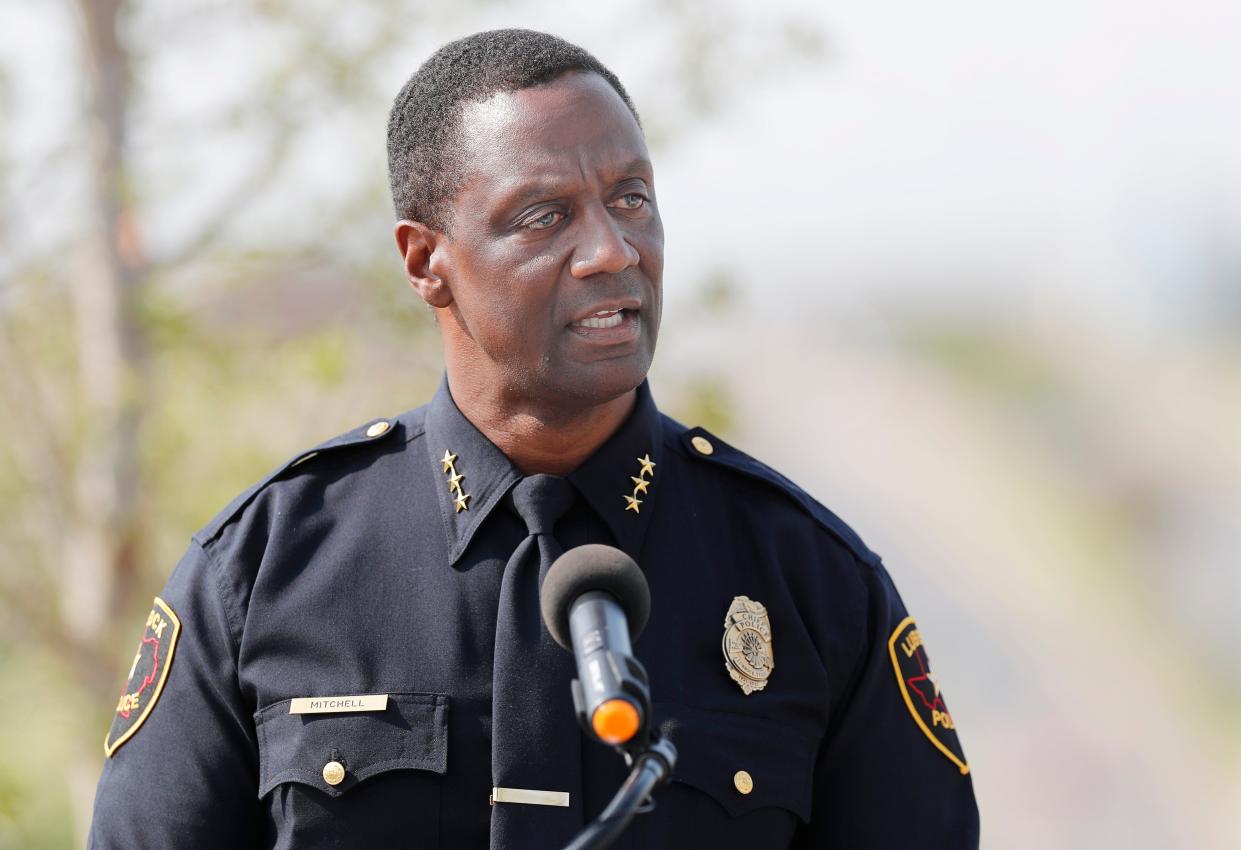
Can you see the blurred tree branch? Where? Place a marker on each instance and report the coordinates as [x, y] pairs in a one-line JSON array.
[[39, 446], [214, 223]]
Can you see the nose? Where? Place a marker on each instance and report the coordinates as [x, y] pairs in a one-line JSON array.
[[603, 247]]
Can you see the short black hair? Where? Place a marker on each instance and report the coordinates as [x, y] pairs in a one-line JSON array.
[[425, 163]]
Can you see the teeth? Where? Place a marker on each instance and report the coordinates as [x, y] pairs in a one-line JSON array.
[[602, 319]]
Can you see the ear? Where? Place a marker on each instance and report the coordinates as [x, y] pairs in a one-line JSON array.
[[417, 243]]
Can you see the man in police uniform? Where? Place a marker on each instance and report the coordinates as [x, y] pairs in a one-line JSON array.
[[347, 655]]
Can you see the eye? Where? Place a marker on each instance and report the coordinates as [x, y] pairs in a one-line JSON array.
[[631, 201], [548, 219]]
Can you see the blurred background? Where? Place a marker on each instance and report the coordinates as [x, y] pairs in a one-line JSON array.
[[968, 272]]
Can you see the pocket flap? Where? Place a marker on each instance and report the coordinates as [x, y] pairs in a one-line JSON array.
[[410, 734], [714, 747]]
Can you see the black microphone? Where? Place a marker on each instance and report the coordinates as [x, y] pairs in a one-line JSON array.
[[593, 598]]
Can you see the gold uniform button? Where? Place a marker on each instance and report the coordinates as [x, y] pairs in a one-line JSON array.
[[378, 428], [333, 773], [704, 447], [743, 781]]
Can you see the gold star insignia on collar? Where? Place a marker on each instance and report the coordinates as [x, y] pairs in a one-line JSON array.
[[648, 466], [640, 483], [449, 461]]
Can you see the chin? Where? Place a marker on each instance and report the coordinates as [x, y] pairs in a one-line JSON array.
[[600, 383]]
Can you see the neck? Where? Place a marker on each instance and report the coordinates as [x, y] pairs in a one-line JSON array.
[[537, 439]]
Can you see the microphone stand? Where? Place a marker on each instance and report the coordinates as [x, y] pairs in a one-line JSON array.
[[652, 767]]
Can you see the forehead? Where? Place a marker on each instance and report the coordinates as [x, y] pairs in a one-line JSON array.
[[576, 126]]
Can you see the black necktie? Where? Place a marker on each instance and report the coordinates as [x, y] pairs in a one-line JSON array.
[[535, 741]]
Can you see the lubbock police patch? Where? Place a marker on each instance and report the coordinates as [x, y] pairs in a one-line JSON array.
[[146, 676], [921, 691]]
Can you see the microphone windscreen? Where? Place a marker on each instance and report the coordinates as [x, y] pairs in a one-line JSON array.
[[593, 567]]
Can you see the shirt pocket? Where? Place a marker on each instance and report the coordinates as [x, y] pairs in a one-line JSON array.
[[740, 780], [393, 762]]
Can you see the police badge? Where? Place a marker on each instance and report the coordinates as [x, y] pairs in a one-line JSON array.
[[747, 644]]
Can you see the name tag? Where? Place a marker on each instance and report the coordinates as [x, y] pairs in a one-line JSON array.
[[329, 705]]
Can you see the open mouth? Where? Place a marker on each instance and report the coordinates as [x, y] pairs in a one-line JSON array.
[[603, 319]]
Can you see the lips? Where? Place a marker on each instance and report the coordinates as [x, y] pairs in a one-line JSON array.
[[602, 319], [608, 326], [607, 314]]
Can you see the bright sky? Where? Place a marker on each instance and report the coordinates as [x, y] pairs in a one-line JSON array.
[[1085, 148], [1000, 154]]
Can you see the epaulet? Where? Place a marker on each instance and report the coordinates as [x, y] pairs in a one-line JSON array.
[[707, 447], [375, 431]]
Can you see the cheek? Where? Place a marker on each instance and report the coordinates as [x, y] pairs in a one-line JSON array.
[[510, 307], [651, 250], [531, 292], [649, 240]]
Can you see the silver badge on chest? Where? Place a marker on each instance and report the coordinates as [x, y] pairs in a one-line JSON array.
[[747, 644]]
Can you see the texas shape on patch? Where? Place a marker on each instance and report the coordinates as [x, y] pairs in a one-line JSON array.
[[921, 691], [146, 676]]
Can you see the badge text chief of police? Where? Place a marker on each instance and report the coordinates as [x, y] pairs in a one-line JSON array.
[[331, 664]]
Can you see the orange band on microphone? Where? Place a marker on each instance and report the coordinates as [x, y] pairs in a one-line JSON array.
[[615, 721]]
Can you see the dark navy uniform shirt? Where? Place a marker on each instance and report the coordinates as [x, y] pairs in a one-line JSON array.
[[362, 570]]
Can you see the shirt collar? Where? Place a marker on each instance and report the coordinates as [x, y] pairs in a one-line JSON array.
[[483, 474], [621, 479], [618, 481]]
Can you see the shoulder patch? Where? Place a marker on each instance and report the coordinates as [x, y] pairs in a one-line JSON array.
[[147, 675], [374, 431], [921, 692], [705, 446]]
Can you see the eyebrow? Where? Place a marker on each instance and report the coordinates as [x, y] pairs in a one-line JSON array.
[[637, 164], [546, 188]]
